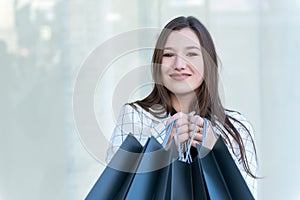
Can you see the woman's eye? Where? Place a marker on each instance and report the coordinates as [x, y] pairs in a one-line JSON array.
[[192, 54], [168, 54]]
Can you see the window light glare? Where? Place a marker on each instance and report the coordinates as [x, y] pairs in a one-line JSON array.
[[112, 17]]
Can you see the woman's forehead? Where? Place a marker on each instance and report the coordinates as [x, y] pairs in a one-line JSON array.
[[184, 37]]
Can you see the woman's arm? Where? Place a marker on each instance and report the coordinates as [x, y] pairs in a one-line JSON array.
[[128, 122], [249, 150]]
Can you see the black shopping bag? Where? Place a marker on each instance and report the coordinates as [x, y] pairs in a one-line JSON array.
[[222, 177], [212, 174], [199, 186], [187, 180], [135, 172], [117, 176], [150, 180], [151, 172], [181, 181]]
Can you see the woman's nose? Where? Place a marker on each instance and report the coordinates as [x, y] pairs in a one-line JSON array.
[[179, 63]]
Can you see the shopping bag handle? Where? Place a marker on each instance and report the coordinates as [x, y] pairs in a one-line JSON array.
[[168, 129], [188, 157], [205, 122]]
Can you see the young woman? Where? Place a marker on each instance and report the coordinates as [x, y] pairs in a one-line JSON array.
[[185, 72]]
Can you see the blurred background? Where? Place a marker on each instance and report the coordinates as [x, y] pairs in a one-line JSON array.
[[43, 44]]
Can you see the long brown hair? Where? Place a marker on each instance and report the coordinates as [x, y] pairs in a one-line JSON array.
[[207, 102]]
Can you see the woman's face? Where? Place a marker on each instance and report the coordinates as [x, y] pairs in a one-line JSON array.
[[182, 63]]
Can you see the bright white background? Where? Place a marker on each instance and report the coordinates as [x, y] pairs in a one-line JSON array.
[[44, 42]]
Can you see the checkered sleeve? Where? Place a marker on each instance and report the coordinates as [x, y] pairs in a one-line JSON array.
[[250, 151], [129, 121]]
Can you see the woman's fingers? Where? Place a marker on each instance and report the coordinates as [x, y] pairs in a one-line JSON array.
[[182, 131], [190, 126], [181, 126], [194, 143], [198, 137], [198, 119], [187, 126], [183, 137], [180, 117], [196, 128]]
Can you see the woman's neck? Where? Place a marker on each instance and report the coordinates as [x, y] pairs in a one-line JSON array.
[[181, 103]]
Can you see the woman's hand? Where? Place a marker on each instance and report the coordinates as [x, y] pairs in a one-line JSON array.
[[182, 125], [187, 124], [196, 124]]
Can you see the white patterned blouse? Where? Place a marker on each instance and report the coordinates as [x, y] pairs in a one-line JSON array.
[[142, 125]]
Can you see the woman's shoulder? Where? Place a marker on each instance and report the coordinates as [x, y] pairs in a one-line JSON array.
[[239, 121], [235, 114], [135, 109], [131, 107], [130, 110]]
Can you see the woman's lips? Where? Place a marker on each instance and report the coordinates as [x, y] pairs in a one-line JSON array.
[[179, 77]]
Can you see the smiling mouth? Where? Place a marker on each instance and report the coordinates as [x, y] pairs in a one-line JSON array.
[[179, 77]]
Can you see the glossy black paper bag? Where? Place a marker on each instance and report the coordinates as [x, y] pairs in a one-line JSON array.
[[117, 176], [149, 178], [222, 177]]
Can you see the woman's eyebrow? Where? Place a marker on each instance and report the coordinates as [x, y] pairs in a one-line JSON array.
[[193, 47], [168, 48], [188, 48]]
